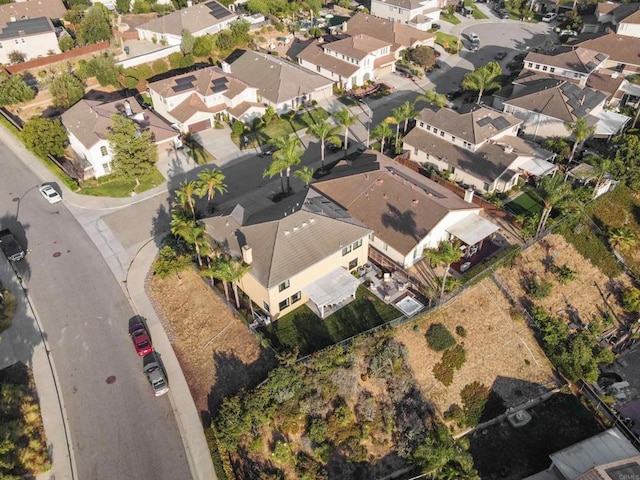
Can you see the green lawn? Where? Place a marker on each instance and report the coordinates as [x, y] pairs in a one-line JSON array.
[[285, 126], [303, 329], [524, 203], [119, 187], [448, 42], [451, 18]]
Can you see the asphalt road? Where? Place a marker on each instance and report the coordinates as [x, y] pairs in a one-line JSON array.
[[119, 429]]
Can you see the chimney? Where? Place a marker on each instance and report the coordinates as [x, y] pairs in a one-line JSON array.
[[127, 108], [247, 254], [615, 74], [12, 18], [344, 27], [508, 149], [468, 195], [226, 68]]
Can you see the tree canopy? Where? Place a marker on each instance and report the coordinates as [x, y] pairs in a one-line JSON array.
[[66, 89], [44, 136], [14, 90], [134, 153], [95, 26]]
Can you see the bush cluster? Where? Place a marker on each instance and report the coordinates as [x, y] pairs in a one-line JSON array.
[[539, 288], [439, 338]]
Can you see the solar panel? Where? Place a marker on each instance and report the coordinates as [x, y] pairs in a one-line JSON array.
[[590, 66], [601, 57], [184, 80], [181, 88], [219, 85], [217, 10], [484, 121], [501, 123]]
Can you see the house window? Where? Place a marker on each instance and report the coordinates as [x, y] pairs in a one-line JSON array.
[[435, 130], [537, 66], [17, 42], [442, 133], [385, 246], [544, 68], [552, 69], [346, 250], [106, 167], [353, 264], [421, 124], [103, 151], [486, 187], [318, 68], [428, 128], [22, 40], [296, 297], [530, 65], [357, 244], [452, 169], [265, 306], [283, 286], [415, 150], [372, 237], [453, 139], [283, 304]]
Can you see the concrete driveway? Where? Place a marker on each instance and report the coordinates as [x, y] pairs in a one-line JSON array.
[[217, 141]]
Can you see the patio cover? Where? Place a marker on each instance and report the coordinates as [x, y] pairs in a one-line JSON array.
[[333, 288], [610, 123], [472, 228], [537, 167]]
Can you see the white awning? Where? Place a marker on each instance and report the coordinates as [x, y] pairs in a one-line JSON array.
[[537, 167], [610, 123], [472, 228], [333, 288]]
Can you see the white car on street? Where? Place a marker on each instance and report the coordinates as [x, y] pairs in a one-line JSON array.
[[549, 17], [50, 194]]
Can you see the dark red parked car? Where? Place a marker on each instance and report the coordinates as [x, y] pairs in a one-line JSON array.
[[141, 341]]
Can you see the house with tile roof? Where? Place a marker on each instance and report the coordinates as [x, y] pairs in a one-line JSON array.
[[88, 123], [406, 211], [14, 11], [280, 83], [192, 101], [479, 148], [575, 64], [400, 35], [621, 50], [349, 61], [622, 18], [200, 19], [606, 456], [34, 37], [418, 14], [301, 251]]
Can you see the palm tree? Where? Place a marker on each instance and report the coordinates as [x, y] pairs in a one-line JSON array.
[[446, 254], [552, 191], [382, 132], [276, 167], [480, 80], [601, 167], [407, 112], [287, 155], [325, 132], [186, 193], [305, 174], [211, 181], [343, 117], [398, 117], [431, 96], [190, 231], [233, 270], [580, 131], [622, 237]]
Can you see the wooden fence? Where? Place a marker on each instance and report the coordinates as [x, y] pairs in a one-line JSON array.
[[60, 57]]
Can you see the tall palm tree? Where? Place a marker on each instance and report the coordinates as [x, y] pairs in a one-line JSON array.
[[346, 119], [190, 231], [211, 181], [431, 96], [446, 254], [382, 132], [407, 112], [288, 155], [325, 132], [305, 174], [186, 194], [276, 167], [580, 131], [480, 80], [601, 167], [552, 191], [233, 270], [622, 237], [398, 117]]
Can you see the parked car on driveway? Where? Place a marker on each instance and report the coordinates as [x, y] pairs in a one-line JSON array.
[[549, 17]]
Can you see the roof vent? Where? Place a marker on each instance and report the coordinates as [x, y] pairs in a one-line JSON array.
[[287, 232], [416, 201], [380, 181], [311, 220], [295, 229], [508, 149], [384, 195]]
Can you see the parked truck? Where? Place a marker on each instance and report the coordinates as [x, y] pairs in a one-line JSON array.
[[10, 246]]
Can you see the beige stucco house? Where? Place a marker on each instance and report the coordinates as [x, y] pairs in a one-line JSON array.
[[34, 37], [418, 14]]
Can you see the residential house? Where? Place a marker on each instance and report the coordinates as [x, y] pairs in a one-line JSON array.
[[88, 123], [419, 14], [51, 9], [606, 456], [575, 64], [622, 18], [350, 61], [479, 148], [200, 19], [622, 50], [301, 250], [192, 100], [34, 37], [281, 84], [406, 211], [399, 35]]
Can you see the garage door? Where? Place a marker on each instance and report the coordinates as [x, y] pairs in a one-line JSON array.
[[199, 126]]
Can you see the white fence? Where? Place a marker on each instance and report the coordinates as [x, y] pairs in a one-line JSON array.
[[148, 57]]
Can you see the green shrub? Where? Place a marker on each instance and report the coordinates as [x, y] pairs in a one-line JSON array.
[[144, 72], [187, 61], [454, 357], [237, 128], [454, 413], [539, 288], [443, 373], [439, 338], [160, 66], [7, 310], [175, 60], [317, 430], [516, 314], [474, 398], [461, 331], [631, 300], [282, 453], [563, 273]]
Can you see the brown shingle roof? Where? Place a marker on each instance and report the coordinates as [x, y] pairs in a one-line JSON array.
[[620, 48], [205, 82], [192, 105], [475, 126], [315, 55], [398, 34], [577, 60], [285, 239], [53, 9], [89, 120], [398, 204], [195, 19], [357, 46], [276, 79]]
